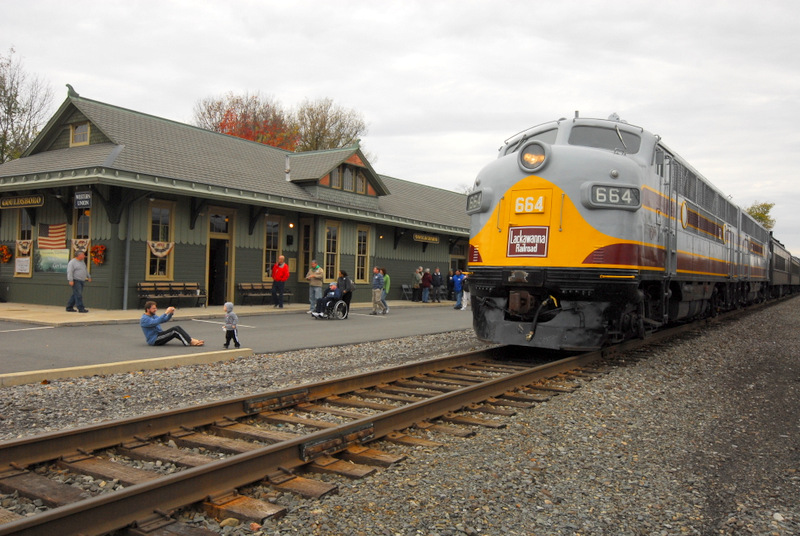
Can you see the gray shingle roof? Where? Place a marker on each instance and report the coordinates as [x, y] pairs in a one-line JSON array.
[[158, 147]]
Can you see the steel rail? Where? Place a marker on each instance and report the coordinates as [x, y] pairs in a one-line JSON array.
[[49, 446], [106, 513], [116, 510]]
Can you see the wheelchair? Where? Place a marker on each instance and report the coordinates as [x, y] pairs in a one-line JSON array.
[[336, 311]]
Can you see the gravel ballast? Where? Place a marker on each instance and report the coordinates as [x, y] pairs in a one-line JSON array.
[[699, 436]]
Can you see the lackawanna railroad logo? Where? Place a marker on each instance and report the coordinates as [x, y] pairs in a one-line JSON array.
[[527, 241]]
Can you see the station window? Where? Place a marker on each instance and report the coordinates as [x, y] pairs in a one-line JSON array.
[[331, 264], [24, 247], [160, 247], [82, 227], [79, 135], [272, 244], [361, 183], [362, 254], [336, 178]]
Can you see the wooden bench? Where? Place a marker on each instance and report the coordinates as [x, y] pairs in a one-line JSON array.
[[260, 290], [171, 291]]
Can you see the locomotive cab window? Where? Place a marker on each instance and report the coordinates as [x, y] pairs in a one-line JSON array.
[[613, 139]]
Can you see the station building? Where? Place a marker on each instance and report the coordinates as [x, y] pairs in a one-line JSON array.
[[154, 200]]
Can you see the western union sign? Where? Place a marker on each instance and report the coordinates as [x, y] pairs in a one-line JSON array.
[[22, 201], [430, 239]]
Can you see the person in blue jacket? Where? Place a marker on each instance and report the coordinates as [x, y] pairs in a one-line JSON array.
[[151, 326], [458, 278]]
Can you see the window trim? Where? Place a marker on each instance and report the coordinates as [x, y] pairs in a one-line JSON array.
[[266, 275], [367, 256], [169, 276], [17, 255], [72, 133], [338, 225]]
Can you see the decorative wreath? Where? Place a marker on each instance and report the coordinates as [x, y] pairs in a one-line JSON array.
[[5, 254], [98, 254]]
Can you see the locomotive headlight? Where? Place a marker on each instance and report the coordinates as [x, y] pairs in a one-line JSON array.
[[533, 155], [479, 201]]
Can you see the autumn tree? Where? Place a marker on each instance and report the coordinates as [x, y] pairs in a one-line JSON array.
[[324, 125], [251, 117], [314, 126], [760, 213], [24, 107]]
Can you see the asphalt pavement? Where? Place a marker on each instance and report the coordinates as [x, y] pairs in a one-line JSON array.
[[41, 343]]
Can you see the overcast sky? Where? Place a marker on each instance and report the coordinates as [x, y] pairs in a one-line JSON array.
[[442, 83]]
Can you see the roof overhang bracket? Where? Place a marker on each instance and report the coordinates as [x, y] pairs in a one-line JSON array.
[[114, 203], [255, 214], [398, 234], [197, 207], [66, 207], [452, 244]]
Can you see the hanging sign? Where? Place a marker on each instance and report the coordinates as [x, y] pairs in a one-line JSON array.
[[22, 201], [83, 199], [430, 239]]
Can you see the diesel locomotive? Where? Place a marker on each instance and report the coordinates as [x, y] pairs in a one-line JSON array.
[[586, 232]]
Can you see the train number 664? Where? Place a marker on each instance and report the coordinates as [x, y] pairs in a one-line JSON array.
[[529, 204]]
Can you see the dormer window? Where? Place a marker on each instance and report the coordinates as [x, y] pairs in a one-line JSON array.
[[79, 135], [336, 179]]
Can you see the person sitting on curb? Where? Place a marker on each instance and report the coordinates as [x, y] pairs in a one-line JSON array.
[[151, 326]]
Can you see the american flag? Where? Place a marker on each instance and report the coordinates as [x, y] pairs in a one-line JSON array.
[[52, 236]]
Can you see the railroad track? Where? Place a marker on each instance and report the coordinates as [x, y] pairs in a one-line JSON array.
[[243, 441]]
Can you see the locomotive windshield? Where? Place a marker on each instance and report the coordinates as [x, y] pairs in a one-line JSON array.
[[547, 136], [612, 139]]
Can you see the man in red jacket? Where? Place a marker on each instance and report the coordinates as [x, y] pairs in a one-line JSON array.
[[280, 274]]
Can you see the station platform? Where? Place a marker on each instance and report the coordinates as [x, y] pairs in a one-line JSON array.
[[44, 342]]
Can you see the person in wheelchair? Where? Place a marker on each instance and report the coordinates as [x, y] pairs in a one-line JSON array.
[[327, 301]]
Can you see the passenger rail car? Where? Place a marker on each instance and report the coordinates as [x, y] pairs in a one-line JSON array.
[[585, 232]]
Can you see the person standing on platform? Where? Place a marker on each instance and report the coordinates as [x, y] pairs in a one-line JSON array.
[[280, 275], [77, 276], [155, 336], [387, 283], [314, 277], [347, 287], [377, 288], [436, 283], [450, 292], [425, 285], [231, 326], [416, 289], [458, 277]]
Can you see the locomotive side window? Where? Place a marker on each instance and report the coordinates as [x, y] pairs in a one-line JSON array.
[[612, 139]]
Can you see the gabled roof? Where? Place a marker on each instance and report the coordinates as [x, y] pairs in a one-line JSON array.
[[151, 153], [426, 203]]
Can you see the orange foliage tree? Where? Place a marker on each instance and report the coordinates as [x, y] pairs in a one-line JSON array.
[[251, 117]]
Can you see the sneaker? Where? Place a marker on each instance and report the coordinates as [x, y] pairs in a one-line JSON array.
[[373, 313], [225, 346], [238, 346], [71, 309], [83, 310], [386, 311], [310, 312]]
